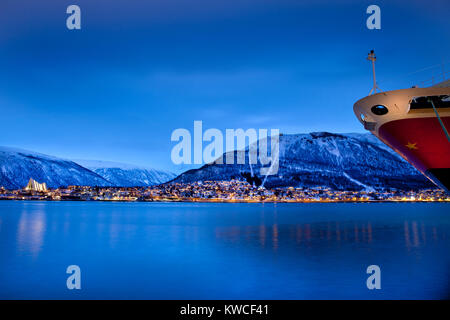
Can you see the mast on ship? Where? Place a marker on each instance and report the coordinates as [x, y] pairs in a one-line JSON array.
[[373, 58]]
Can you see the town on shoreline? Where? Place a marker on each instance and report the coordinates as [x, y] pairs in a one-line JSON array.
[[215, 191]]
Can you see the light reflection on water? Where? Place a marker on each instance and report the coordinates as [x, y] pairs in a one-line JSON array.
[[223, 251], [30, 231], [355, 233]]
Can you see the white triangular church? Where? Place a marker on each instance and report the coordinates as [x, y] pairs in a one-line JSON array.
[[35, 186]]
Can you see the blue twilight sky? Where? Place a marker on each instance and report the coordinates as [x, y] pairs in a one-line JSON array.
[[116, 89]]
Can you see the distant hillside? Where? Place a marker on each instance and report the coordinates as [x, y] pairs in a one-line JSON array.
[[126, 175], [17, 166], [321, 159], [338, 161]]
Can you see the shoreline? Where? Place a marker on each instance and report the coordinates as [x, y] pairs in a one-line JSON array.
[[234, 191], [237, 201]]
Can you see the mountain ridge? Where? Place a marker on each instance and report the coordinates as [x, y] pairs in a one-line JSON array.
[[339, 161], [18, 165], [127, 175], [347, 161]]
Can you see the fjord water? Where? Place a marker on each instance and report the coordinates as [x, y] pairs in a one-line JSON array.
[[224, 251]]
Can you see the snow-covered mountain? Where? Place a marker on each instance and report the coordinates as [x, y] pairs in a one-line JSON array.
[[17, 166], [126, 175], [339, 161]]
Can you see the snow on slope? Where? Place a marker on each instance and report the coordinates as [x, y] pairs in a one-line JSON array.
[[127, 175], [321, 159], [17, 166], [338, 161]]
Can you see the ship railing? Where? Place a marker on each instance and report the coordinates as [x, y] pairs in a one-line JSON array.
[[435, 79]]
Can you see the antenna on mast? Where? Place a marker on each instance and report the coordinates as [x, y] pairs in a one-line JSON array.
[[373, 58]]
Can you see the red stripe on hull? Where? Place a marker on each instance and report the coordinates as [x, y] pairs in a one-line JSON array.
[[420, 140]]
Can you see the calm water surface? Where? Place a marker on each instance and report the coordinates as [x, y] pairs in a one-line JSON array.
[[224, 251]]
